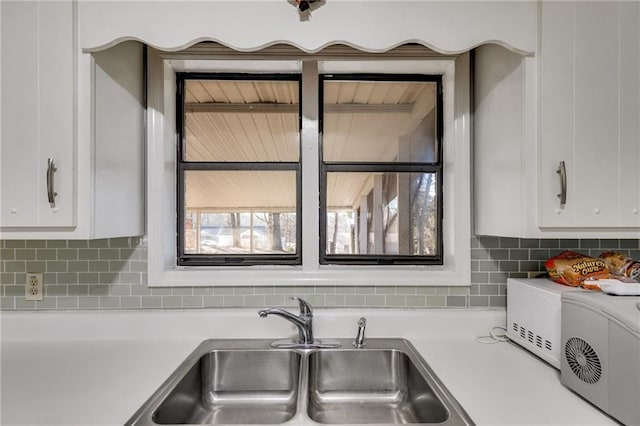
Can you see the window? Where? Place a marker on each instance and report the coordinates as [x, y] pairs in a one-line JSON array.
[[382, 169], [408, 222], [238, 169]]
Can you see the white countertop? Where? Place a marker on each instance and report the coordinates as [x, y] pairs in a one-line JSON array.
[[97, 368]]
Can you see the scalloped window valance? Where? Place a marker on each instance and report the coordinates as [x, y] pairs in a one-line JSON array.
[[448, 27]]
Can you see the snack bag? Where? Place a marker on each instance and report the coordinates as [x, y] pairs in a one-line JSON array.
[[571, 268], [621, 266]]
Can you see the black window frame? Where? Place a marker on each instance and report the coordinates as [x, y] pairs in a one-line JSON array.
[[396, 167], [182, 166]]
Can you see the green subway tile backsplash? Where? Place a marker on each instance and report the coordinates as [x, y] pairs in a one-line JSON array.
[[111, 274]]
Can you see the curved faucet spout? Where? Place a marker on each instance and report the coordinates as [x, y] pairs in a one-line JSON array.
[[282, 313], [304, 321]]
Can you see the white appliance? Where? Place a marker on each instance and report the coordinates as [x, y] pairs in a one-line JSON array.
[[601, 351], [534, 315]]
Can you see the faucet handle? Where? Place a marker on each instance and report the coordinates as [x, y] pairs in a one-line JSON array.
[[305, 307]]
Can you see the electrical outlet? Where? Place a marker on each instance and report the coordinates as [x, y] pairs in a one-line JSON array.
[[34, 289]]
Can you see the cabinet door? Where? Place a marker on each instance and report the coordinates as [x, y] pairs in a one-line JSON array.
[[595, 178], [556, 115], [37, 95], [630, 114], [589, 113]]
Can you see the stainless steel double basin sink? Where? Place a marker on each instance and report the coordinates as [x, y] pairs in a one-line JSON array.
[[249, 382]]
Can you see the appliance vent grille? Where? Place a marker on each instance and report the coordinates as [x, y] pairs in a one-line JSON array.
[[583, 360], [531, 337]]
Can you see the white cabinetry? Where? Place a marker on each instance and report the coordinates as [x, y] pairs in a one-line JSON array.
[[589, 113], [504, 143], [629, 153], [37, 91], [578, 102], [83, 111]]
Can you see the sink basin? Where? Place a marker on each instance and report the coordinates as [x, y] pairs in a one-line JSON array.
[[247, 381], [227, 382], [235, 387], [372, 386]]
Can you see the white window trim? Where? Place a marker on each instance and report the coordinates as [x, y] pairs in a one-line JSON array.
[[161, 193]]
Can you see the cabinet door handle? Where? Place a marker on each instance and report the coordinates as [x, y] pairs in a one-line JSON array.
[[562, 171], [51, 169]]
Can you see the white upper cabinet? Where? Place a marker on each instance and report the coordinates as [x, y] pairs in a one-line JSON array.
[[589, 113], [504, 142], [629, 153], [72, 140], [576, 103], [37, 95]]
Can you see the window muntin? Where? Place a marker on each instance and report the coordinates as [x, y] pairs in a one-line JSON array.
[[381, 177], [238, 169]]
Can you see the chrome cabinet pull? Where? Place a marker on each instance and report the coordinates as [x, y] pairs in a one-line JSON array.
[[51, 169], [562, 171]]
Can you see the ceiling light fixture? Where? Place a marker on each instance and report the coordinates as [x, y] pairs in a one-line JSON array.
[[304, 5]]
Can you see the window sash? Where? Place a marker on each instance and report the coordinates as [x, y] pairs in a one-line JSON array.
[[183, 166], [436, 168]]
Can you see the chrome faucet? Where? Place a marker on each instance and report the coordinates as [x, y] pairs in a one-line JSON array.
[[304, 321], [359, 341]]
